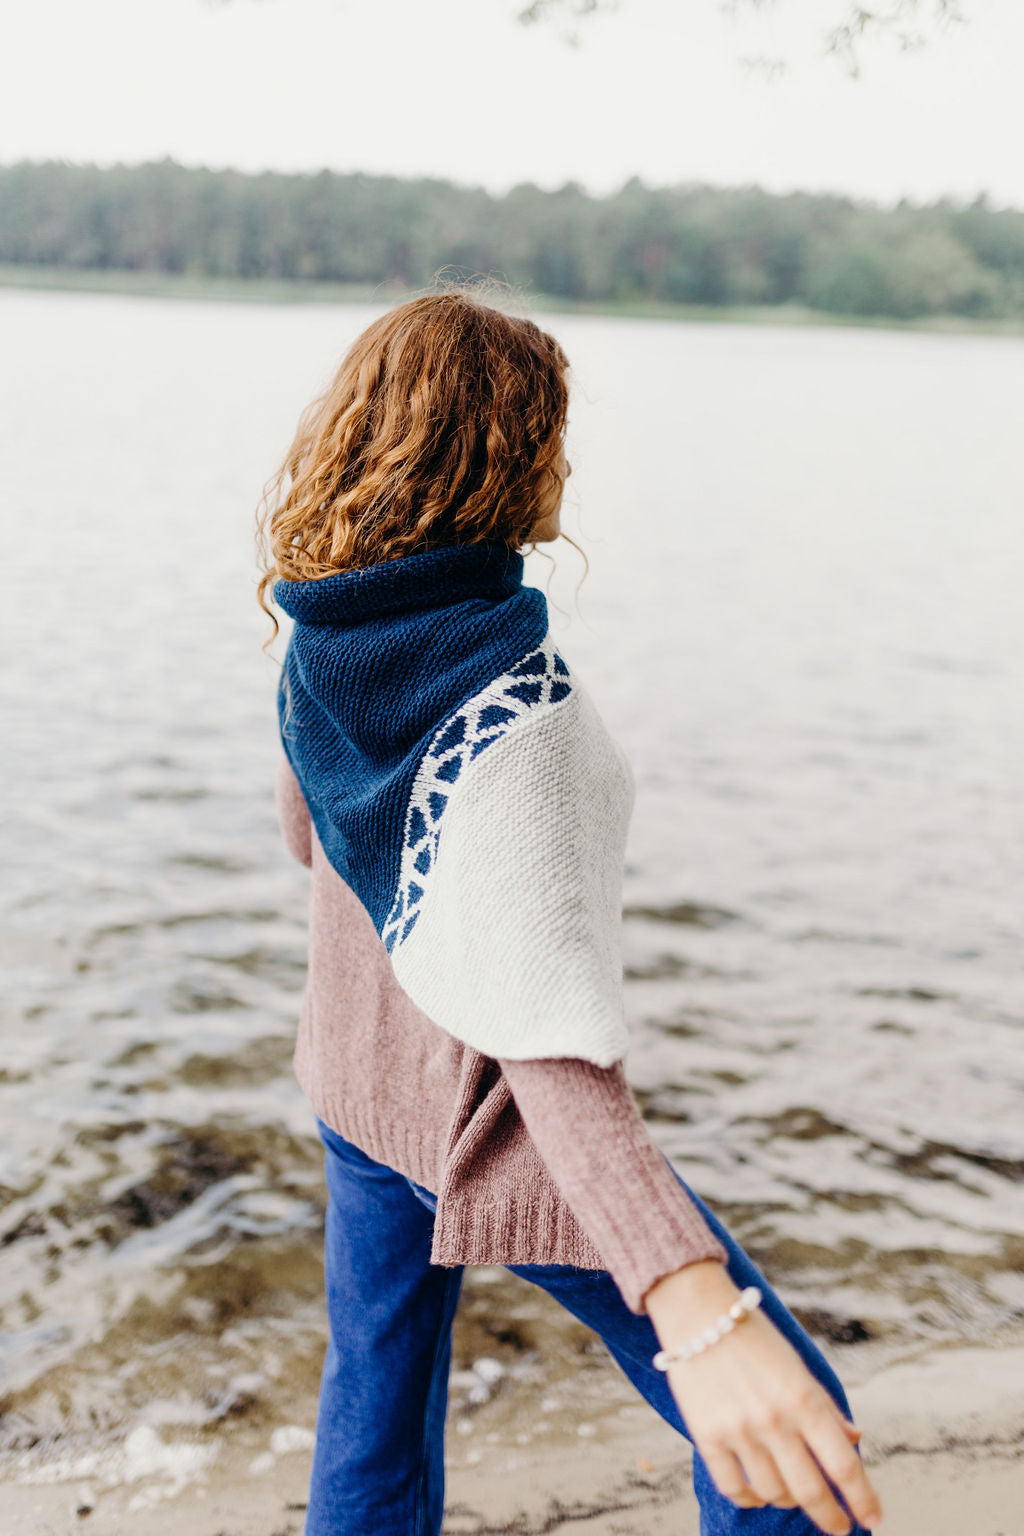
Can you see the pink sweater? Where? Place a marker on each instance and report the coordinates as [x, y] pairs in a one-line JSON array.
[[533, 1162]]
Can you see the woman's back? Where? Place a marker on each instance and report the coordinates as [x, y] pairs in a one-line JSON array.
[[464, 814]]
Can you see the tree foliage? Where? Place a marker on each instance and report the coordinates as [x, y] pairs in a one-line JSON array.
[[689, 244], [846, 25]]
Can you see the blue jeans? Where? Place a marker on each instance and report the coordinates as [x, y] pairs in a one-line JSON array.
[[378, 1462]]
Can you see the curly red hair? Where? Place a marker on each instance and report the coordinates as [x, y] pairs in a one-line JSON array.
[[444, 424]]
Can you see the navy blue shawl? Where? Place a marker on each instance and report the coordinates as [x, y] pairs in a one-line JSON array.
[[377, 659]]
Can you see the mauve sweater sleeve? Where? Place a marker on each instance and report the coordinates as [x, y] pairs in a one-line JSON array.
[[588, 1128], [293, 813]]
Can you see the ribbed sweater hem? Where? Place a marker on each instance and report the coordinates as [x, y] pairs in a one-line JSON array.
[[503, 1232], [403, 1147], [473, 1229]]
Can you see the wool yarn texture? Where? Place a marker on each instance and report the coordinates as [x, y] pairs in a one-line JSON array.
[[463, 784]]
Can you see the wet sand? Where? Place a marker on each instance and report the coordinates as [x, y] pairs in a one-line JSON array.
[[943, 1439]]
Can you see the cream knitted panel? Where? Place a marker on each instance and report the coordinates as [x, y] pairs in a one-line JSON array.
[[516, 949]]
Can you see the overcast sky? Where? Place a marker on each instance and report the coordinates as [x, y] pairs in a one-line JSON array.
[[457, 88]]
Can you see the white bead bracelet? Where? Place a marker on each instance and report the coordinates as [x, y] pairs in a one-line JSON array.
[[745, 1303]]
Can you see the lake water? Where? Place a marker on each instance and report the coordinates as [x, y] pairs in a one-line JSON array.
[[803, 619]]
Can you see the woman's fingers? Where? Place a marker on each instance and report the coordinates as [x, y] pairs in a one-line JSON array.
[[763, 1474], [805, 1481], [823, 1432], [729, 1477]]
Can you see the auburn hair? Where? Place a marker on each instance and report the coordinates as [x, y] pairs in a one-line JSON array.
[[441, 426]]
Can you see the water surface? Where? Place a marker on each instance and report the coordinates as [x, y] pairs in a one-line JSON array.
[[803, 621]]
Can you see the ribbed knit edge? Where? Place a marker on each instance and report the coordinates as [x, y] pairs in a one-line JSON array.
[[466, 1229], [396, 1145], [469, 1231], [678, 1240], [543, 1230]]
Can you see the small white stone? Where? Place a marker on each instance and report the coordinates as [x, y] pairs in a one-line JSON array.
[[585, 1429], [291, 1437]]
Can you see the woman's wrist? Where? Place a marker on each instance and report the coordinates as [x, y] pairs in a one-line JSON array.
[[695, 1294]]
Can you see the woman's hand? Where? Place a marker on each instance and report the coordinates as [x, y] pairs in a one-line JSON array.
[[754, 1411]]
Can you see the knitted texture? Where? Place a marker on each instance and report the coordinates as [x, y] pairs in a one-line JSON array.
[[539, 679], [461, 781], [544, 1161], [378, 659]]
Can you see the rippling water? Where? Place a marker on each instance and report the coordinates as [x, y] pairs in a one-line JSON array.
[[803, 620]]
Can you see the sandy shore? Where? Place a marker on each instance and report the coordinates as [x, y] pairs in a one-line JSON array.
[[943, 1438]]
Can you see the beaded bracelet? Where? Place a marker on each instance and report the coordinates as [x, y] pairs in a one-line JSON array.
[[745, 1303]]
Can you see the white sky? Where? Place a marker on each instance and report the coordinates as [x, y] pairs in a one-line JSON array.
[[456, 88]]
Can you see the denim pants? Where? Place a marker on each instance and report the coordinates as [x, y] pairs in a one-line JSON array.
[[378, 1461]]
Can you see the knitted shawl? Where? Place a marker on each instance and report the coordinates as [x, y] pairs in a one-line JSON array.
[[462, 783]]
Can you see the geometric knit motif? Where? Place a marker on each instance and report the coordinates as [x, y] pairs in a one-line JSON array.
[[539, 678]]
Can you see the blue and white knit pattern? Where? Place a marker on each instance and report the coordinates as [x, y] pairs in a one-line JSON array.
[[539, 679], [516, 945], [486, 839]]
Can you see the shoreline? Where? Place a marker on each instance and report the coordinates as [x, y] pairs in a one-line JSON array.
[[169, 285], [943, 1435]]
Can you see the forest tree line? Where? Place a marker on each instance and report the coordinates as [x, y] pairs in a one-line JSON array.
[[688, 244]]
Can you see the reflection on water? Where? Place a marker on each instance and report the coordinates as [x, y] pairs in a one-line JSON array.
[[802, 620]]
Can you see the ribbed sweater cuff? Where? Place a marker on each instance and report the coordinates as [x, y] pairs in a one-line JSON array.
[[676, 1235]]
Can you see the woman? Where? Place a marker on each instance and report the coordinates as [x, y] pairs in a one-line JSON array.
[[463, 811]]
